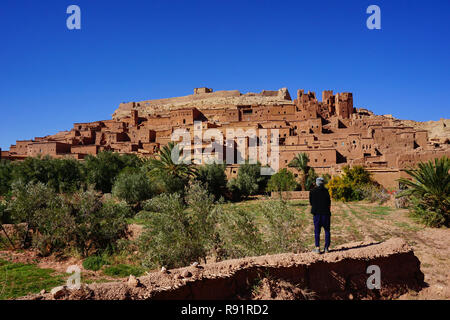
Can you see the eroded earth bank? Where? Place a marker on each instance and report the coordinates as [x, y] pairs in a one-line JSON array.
[[340, 274]]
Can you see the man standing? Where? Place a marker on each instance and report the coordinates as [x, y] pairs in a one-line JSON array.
[[320, 201]]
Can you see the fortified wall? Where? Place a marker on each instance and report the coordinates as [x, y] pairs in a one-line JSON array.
[[332, 131]]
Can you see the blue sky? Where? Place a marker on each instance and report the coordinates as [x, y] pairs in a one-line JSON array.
[[51, 77]]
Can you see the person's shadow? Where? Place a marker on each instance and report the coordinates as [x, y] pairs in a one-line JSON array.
[[355, 247]]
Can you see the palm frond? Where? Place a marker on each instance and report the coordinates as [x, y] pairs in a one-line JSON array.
[[171, 162], [430, 178]]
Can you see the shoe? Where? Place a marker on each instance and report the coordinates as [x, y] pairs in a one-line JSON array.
[[316, 250], [326, 250]]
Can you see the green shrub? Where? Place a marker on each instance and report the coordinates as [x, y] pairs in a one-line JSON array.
[[249, 181], [238, 234], [123, 270], [213, 178], [33, 169], [97, 226], [372, 193], [30, 202], [354, 184], [131, 161], [81, 219], [202, 212], [283, 180], [132, 186], [62, 175], [68, 175], [243, 186], [165, 183], [175, 235], [357, 175], [281, 227], [54, 229], [5, 177], [101, 170], [94, 263], [341, 189], [165, 239]]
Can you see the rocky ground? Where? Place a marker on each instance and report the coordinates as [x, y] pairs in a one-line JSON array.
[[439, 130]]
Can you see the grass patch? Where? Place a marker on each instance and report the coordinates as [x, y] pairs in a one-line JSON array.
[[94, 263], [358, 214], [309, 242], [19, 279], [364, 213], [123, 270], [381, 211], [353, 233], [407, 226]]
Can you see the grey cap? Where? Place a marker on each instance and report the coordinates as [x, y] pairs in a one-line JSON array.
[[319, 181]]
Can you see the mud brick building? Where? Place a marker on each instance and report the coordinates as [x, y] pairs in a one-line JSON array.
[[332, 131]]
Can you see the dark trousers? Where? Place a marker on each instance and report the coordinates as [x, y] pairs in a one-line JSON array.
[[322, 221]]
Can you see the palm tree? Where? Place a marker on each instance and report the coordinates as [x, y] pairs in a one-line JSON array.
[[430, 185], [169, 162], [300, 162], [310, 178]]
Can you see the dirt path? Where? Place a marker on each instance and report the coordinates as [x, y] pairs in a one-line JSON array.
[[371, 222], [431, 245]]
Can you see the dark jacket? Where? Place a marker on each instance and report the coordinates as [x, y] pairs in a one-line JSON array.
[[320, 201]]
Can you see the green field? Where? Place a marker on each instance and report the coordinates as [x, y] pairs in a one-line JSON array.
[[19, 279]]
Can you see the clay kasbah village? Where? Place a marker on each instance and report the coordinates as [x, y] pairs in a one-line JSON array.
[[224, 159]]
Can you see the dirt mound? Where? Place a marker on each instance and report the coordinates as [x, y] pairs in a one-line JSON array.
[[340, 274]]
